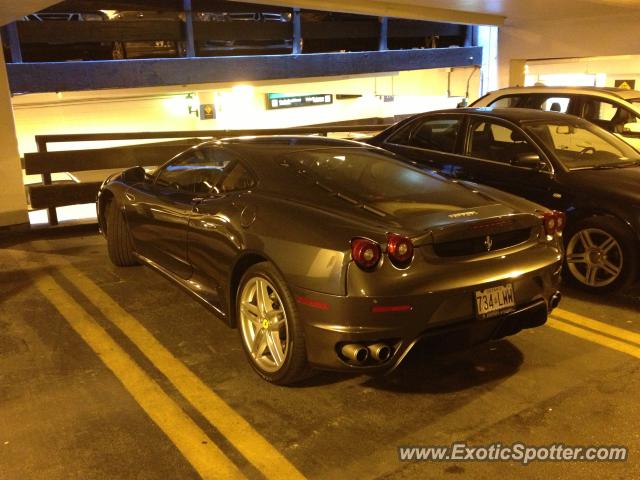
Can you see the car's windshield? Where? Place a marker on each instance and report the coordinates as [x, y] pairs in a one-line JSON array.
[[581, 145]]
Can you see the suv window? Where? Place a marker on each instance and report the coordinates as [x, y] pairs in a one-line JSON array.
[[435, 133], [495, 142], [607, 115], [509, 101], [554, 104]]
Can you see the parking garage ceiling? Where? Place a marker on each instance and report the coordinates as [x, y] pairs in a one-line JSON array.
[[11, 10], [491, 12]]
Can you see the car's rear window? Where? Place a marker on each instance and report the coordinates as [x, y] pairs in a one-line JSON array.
[[365, 174]]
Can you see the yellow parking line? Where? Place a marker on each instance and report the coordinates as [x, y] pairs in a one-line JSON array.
[[587, 322], [594, 337], [253, 446], [201, 452]]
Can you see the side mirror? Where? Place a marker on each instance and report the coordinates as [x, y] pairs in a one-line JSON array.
[[531, 161], [565, 130], [134, 175]]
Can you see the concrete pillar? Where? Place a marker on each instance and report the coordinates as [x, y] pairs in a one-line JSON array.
[[13, 202], [517, 73]]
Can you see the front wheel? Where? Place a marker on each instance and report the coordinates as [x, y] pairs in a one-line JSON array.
[[601, 254], [119, 242], [270, 330]]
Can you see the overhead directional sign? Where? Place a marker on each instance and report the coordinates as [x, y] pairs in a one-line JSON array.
[[281, 100]]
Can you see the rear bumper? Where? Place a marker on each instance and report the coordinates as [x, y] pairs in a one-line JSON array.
[[332, 321]]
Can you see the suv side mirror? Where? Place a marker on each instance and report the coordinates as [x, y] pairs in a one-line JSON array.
[[529, 160], [134, 175]]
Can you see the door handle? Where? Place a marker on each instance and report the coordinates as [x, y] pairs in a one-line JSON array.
[[130, 196]]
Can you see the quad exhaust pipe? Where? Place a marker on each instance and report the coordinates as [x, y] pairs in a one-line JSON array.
[[358, 354], [355, 353], [380, 352]]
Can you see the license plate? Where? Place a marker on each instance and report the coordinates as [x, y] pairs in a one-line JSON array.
[[494, 301]]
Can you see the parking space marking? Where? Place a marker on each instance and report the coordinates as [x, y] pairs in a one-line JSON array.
[[194, 444], [251, 444], [581, 320], [594, 337]]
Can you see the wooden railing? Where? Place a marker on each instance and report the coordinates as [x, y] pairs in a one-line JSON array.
[[51, 195]]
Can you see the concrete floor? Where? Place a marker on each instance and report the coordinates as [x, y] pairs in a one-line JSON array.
[[64, 414]]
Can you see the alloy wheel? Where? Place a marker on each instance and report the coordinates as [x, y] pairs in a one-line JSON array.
[[594, 257], [263, 323]]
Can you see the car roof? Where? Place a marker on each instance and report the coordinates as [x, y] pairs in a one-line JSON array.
[[610, 91], [285, 143], [258, 150], [515, 115]]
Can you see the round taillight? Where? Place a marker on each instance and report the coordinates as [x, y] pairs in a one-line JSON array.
[[554, 222], [561, 220], [366, 253], [399, 249]]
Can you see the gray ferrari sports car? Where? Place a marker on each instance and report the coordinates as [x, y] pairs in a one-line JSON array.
[[332, 254]]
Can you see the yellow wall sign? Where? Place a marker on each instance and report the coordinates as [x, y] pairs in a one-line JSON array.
[[207, 112], [625, 84]]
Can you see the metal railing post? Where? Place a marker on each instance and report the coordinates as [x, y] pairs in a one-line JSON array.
[[52, 213], [188, 30], [297, 32], [384, 33], [14, 42]]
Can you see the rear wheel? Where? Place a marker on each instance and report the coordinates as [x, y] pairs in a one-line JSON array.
[[270, 330], [601, 254], [119, 243]]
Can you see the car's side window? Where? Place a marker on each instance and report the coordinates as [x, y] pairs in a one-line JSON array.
[[608, 115], [401, 137], [509, 101], [197, 171], [236, 177], [496, 142], [550, 103], [436, 133]]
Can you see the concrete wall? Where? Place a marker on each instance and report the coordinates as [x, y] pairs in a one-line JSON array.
[[239, 106], [13, 205], [613, 34]]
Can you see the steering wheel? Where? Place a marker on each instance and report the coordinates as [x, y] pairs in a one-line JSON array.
[[590, 150]]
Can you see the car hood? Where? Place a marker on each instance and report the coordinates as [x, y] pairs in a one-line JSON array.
[[620, 183]]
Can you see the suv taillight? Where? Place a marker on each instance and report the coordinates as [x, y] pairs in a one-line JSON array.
[[366, 253]]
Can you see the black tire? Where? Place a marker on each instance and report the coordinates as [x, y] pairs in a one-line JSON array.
[[625, 255], [295, 366], [119, 243]]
